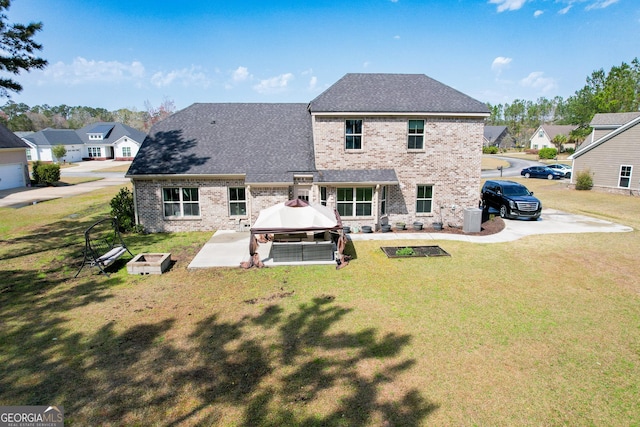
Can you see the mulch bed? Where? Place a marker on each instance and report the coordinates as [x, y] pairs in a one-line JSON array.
[[491, 226]]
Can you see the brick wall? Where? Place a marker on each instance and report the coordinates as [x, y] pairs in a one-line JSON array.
[[450, 161]]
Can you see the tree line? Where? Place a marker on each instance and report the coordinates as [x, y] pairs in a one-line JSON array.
[[616, 91], [21, 117]]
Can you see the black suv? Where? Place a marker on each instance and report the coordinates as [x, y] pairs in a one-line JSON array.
[[511, 199]]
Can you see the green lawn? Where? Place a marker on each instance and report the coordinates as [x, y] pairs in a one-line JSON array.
[[541, 331]]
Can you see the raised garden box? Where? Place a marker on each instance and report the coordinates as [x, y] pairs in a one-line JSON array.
[[413, 251], [149, 264]]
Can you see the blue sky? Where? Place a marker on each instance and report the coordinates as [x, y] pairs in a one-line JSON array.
[[119, 54]]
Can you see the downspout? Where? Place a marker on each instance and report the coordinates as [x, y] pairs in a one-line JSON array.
[[135, 203]]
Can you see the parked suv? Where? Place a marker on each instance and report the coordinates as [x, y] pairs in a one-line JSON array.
[[511, 199]]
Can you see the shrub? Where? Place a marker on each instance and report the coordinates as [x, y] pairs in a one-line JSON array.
[[122, 208], [490, 150], [531, 151], [405, 251], [584, 180], [45, 173], [548, 153]]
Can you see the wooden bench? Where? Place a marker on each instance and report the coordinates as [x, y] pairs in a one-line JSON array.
[[103, 245]]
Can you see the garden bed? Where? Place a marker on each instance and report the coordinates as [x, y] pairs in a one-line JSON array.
[[413, 251]]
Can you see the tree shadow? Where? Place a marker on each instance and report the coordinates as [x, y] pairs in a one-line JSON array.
[[265, 368], [166, 152]]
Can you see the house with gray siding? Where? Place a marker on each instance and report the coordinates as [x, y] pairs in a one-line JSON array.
[[611, 153], [379, 148]]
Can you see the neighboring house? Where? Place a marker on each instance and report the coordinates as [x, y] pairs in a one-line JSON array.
[[543, 136], [377, 147], [97, 141], [498, 136], [612, 153], [14, 170]]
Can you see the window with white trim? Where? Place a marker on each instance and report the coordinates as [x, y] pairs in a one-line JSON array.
[[126, 151], [237, 201], [180, 202], [355, 201], [416, 135], [323, 196], [424, 199], [353, 135], [383, 200], [625, 176], [94, 151]]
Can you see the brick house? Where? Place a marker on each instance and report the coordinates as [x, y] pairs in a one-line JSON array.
[[377, 147]]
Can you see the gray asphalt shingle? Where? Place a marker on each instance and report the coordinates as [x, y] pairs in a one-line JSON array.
[[395, 93]]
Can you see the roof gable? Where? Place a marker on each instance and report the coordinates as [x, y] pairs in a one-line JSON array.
[[394, 93], [612, 120], [586, 148]]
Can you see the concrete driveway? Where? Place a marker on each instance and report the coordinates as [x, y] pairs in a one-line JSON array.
[[230, 248], [23, 196]]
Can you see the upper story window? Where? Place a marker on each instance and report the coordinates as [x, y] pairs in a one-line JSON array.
[[625, 176], [180, 202], [355, 201], [353, 135], [416, 135], [237, 201]]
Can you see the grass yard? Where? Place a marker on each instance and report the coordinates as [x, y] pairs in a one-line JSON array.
[[541, 331]]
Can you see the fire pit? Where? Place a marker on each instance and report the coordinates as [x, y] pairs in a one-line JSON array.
[[149, 264]]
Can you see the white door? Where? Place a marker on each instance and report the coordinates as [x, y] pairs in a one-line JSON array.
[[11, 176]]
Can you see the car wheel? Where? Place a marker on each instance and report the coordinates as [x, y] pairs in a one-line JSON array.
[[504, 212], [550, 176], [568, 175], [527, 175]]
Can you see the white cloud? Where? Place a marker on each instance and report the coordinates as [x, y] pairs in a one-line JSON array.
[[500, 63], [538, 81], [565, 10], [83, 70], [240, 74], [186, 76], [537, 13], [508, 4], [396, 37], [313, 83], [601, 4], [274, 84]]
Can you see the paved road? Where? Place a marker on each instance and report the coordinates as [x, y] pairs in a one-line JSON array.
[[515, 166]]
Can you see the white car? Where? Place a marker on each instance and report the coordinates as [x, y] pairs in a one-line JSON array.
[[566, 170]]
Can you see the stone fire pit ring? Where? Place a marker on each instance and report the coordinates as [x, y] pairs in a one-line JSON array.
[[152, 263]]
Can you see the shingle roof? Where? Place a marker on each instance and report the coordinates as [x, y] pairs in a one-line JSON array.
[[117, 131], [9, 139], [613, 119], [52, 137], [553, 130], [395, 93], [267, 142], [492, 133]]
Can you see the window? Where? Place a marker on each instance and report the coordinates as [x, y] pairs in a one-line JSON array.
[[625, 176], [29, 154], [180, 202], [126, 151], [237, 201], [355, 201], [353, 135], [94, 152], [323, 196], [424, 199], [383, 200], [416, 135]]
